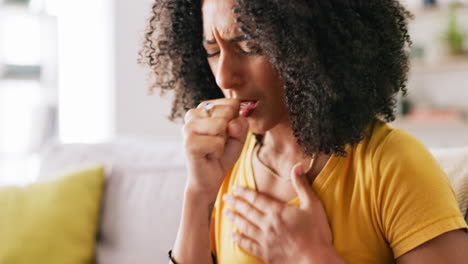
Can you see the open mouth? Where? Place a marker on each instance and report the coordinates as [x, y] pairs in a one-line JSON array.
[[247, 107]]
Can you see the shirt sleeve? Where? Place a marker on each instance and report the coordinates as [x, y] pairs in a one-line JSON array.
[[416, 201]]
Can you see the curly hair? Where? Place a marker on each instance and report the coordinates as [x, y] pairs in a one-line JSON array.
[[342, 62]]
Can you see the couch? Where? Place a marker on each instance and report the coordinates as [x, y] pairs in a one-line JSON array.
[[144, 189]]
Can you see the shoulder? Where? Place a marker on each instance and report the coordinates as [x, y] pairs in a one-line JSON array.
[[399, 159], [382, 138], [385, 145]]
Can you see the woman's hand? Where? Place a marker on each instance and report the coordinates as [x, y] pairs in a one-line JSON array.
[[280, 233], [213, 142]]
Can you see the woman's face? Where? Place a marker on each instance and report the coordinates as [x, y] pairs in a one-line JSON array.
[[240, 68]]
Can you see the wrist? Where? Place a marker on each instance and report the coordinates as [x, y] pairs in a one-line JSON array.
[[200, 195], [326, 255]]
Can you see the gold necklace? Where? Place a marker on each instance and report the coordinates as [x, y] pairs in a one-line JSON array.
[[272, 172]]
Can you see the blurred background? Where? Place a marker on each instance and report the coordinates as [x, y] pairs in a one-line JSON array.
[[68, 73]]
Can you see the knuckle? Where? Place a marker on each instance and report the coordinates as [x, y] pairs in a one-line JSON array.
[[253, 197], [219, 125], [237, 222], [243, 225], [230, 111], [235, 204], [252, 248], [276, 222], [273, 221], [187, 129], [202, 104], [257, 214], [218, 143], [249, 229], [217, 146], [277, 209], [189, 115], [242, 242], [243, 207], [233, 101], [269, 241], [189, 146]]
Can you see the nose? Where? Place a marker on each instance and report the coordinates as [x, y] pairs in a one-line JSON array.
[[229, 74]]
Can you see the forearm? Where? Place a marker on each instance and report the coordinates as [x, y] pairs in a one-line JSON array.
[[193, 238]]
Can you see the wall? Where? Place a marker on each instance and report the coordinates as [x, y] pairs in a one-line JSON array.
[[102, 90], [85, 72], [136, 113], [438, 80]]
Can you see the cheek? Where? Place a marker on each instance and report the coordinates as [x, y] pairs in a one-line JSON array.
[[271, 83], [267, 72]]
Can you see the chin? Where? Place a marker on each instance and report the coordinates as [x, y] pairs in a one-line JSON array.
[[258, 126]]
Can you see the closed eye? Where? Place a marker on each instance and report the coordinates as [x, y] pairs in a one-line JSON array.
[[241, 43], [245, 48], [209, 55]]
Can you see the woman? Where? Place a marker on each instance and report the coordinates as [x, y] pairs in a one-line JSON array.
[[285, 103]]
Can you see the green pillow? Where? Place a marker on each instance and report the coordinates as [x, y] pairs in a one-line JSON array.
[[53, 222]]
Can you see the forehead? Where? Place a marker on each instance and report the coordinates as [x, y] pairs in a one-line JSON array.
[[218, 17]]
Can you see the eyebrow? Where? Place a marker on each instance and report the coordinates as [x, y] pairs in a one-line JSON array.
[[234, 39]]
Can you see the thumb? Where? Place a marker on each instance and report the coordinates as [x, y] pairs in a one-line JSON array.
[[303, 189], [237, 133]]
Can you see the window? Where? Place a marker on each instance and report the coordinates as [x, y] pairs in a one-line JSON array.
[[27, 87]]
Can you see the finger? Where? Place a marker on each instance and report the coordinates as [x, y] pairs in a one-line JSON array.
[[237, 131], [247, 227], [227, 112], [259, 201], [248, 244], [245, 209], [235, 103], [238, 128], [303, 189], [192, 114], [207, 126], [201, 146]]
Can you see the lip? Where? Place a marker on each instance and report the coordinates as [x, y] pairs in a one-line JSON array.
[[245, 109]]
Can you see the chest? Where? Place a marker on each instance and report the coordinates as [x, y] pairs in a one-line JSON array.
[[271, 185], [280, 188], [353, 218]]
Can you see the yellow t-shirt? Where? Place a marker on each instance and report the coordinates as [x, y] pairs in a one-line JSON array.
[[385, 198]]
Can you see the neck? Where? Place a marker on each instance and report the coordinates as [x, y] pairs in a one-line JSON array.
[[279, 151], [280, 140]]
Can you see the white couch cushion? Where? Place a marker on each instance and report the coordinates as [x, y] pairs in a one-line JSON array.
[[454, 162], [142, 197]]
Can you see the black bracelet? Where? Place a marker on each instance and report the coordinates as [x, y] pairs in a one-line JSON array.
[[169, 254]]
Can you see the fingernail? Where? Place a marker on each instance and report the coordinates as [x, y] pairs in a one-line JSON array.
[[227, 197], [299, 170], [235, 128], [237, 188]]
